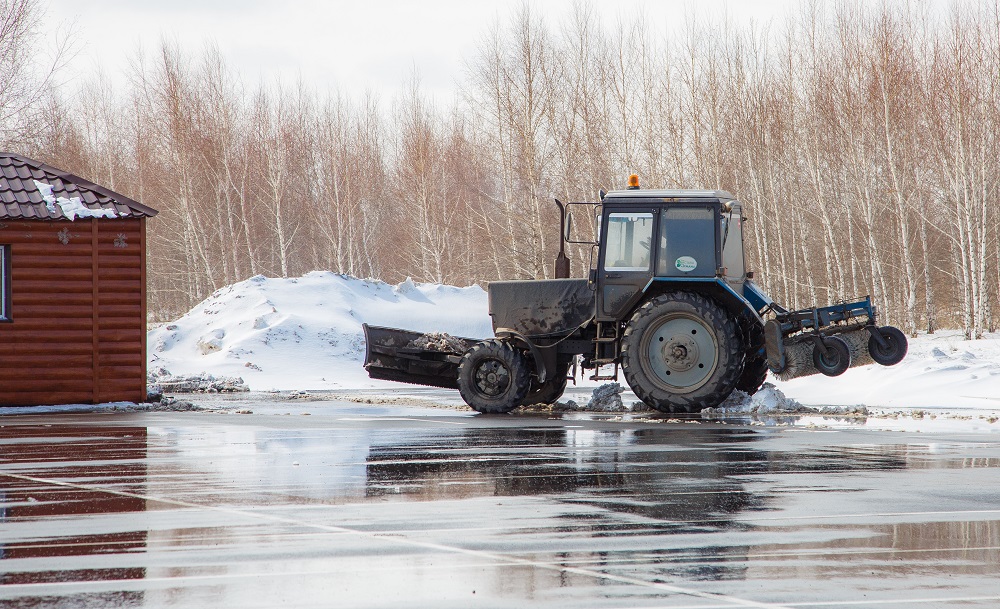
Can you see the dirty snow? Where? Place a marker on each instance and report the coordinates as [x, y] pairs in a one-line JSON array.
[[605, 398], [770, 400], [305, 334]]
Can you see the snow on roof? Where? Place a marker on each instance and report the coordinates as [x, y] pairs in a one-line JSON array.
[[33, 190]]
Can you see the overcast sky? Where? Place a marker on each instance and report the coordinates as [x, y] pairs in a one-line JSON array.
[[351, 46]]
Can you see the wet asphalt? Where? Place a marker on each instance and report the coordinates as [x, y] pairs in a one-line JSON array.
[[366, 506]]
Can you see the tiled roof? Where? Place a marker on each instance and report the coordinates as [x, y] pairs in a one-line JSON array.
[[21, 199]]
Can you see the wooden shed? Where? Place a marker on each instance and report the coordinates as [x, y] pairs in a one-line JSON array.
[[72, 289]]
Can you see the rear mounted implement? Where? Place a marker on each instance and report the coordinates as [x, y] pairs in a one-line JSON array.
[[414, 357], [829, 340]]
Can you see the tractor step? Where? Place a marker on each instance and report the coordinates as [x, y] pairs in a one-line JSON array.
[[597, 376]]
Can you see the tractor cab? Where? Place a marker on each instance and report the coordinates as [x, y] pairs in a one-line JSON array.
[[652, 237]]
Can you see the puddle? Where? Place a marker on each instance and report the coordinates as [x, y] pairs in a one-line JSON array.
[[212, 509]]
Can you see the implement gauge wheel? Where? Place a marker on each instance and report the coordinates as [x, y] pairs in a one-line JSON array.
[[835, 359], [493, 377], [682, 352], [895, 349]]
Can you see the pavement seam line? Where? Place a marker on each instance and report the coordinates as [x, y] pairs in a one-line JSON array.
[[734, 601]]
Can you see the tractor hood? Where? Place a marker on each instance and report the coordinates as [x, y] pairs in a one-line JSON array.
[[541, 307]]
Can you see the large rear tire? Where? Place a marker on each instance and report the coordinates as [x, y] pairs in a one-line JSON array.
[[493, 377], [682, 352]]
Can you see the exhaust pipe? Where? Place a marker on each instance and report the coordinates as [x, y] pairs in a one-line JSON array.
[[562, 262]]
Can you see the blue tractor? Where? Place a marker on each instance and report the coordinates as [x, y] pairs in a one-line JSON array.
[[668, 303]]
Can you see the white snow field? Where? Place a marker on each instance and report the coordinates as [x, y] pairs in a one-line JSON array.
[[305, 334]]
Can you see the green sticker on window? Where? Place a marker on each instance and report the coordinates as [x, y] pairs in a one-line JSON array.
[[686, 264]]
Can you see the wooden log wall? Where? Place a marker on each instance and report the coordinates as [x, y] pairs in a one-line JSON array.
[[78, 312]]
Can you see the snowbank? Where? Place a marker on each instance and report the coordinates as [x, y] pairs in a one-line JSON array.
[[305, 334]]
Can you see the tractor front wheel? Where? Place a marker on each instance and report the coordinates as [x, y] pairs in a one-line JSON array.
[[681, 352], [493, 377]]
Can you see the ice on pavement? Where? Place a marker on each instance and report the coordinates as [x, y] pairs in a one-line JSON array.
[[305, 334]]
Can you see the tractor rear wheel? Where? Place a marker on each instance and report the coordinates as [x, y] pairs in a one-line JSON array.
[[493, 377], [681, 352], [551, 390], [754, 374]]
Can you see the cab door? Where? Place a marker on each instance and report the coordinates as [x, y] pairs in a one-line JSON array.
[[625, 267]]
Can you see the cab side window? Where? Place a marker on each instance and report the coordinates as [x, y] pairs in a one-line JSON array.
[[687, 242], [629, 239]]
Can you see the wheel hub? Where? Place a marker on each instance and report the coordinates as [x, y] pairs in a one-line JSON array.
[[492, 378], [680, 353]]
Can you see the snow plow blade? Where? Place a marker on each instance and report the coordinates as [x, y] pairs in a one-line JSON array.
[[404, 356]]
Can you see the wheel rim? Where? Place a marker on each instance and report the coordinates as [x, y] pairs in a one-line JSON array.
[[890, 349], [492, 377], [681, 352], [830, 358]]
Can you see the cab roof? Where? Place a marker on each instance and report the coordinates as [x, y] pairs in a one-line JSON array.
[[639, 195]]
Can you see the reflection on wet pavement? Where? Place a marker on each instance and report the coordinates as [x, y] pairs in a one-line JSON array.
[[450, 510], [74, 555]]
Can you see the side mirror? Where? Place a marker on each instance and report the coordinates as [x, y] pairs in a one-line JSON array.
[[568, 229]]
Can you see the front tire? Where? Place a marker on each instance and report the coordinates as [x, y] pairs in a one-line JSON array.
[[682, 352], [493, 377]]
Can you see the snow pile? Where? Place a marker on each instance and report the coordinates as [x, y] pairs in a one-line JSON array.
[[439, 341], [607, 398], [770, 400], [161, 381], [305, 333]]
